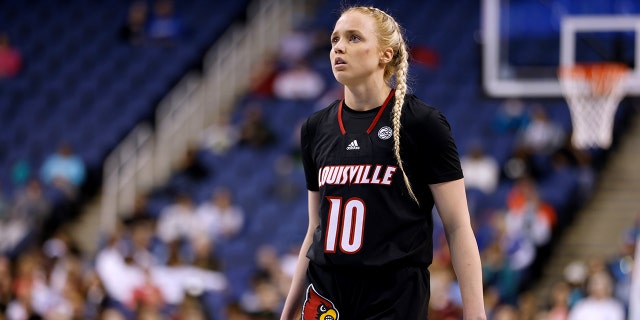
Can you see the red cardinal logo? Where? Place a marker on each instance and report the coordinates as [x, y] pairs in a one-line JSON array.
[[317, 307]]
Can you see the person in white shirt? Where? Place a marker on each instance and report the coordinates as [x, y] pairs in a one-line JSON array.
[[179, 221], [481, 171], [221, 217], [599, 304]]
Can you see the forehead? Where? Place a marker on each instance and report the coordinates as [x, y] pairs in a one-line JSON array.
[[355, 21]]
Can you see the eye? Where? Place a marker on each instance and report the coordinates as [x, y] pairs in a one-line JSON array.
[[334, 40], [323, 308], [354, 38]]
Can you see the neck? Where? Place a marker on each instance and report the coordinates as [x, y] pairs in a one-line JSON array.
[[367, 96]]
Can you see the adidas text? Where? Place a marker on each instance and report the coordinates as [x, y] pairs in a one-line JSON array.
[[353, 145]]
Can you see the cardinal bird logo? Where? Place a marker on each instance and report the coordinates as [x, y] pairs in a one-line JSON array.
[[317, 307]]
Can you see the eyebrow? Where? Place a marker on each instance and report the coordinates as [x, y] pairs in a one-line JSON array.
[[346, 31]]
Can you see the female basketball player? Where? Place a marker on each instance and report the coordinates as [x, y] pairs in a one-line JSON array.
[[376, 163]]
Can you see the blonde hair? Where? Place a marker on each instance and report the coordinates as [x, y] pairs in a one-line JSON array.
[[390, 36]]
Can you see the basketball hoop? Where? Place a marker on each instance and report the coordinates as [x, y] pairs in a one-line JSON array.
[[593, 92]]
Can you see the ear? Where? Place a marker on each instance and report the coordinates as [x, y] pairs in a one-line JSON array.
[[386, 55]]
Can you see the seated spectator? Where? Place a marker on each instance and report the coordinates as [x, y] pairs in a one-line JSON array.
[[140, 211], [559, 301], [262, 78], [528, 214], [10, 58], [133, 31], [220, 136], [220, 216], [165, 28], [481, 171], [298, 83], [63, 169], [599, 303], [294, 47], [31, 205], [510, 117], [178, 221], [191, 167], [254, 130], [542, 135]]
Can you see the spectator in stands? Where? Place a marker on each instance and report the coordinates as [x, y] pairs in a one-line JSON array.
[[64, 169], [506, 312], [559, 301], [263, 77], [270, 263], [298, 83], [220, 136], [31, 205], [133, 31], [191, 309], [481, 171], [118, 271], [165, 27], [179, 221], [140, 211], [528, 214], [294, 47], [10, 58], [204, 255], [541, 135], [599, 304], [254, 130], [263, 300], [220, 216], [520, 164], [499, 274], [191, 168], [20, 172], [621, 265], [441, 306], [147, 295], [511, 117]]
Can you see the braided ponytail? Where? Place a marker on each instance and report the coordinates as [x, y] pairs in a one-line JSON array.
[[390, 36], [396, 112]]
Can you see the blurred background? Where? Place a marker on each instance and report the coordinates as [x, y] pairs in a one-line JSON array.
[[149, 158]]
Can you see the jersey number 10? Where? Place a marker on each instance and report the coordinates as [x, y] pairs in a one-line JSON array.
[[347, 222]]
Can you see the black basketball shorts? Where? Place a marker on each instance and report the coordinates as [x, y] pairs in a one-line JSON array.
[[373, 293]]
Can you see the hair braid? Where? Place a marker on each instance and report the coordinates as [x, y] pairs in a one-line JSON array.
[[396, 112], [390, 35]]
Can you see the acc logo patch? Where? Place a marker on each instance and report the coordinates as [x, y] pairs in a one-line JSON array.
[[317, 307], [385, 133]]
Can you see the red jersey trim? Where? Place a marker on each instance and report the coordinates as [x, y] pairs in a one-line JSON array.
[[375, 120]]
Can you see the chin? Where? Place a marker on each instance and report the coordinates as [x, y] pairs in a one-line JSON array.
[[342, 78]]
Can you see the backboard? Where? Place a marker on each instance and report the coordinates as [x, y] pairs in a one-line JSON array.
[[526, 41]]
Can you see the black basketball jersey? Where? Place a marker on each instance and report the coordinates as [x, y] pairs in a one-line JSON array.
[[367, 217]]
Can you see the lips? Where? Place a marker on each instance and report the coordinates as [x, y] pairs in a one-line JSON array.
[[339, 61]]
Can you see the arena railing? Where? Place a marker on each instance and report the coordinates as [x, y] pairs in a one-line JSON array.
[[146, 158]]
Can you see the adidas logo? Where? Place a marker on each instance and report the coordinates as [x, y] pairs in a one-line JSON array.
[[353, 145]]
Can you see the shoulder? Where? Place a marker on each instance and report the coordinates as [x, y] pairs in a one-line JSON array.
[[419, 115], [319, 117]]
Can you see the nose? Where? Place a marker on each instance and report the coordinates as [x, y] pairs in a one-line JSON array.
[[338, 47]]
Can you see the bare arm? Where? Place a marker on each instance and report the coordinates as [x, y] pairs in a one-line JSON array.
[[451, 202], [294, 298]]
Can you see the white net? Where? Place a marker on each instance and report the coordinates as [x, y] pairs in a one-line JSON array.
[[593, 93]]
